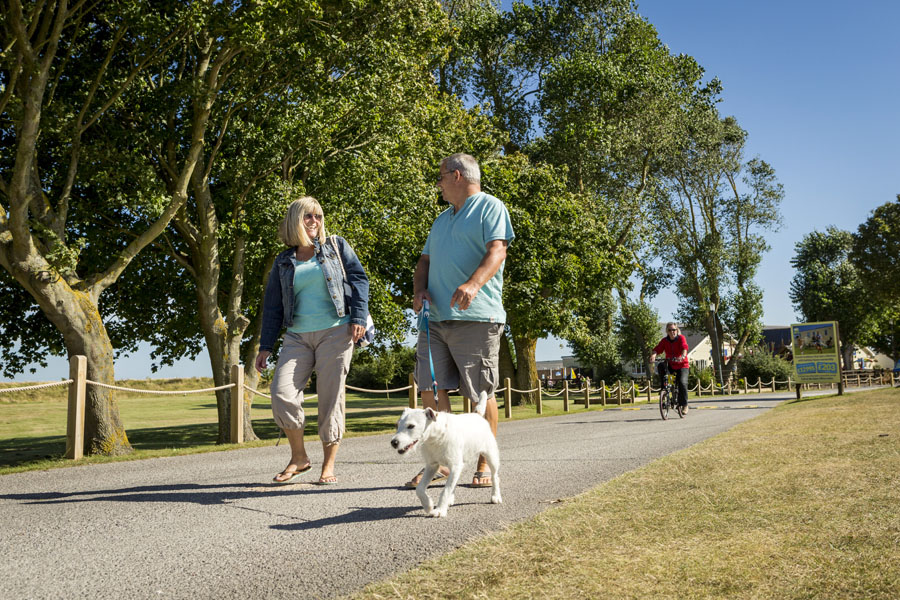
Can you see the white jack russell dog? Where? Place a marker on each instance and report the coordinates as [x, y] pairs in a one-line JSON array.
[[451, 440]]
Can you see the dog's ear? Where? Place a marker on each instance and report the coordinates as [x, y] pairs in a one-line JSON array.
[[430, 414]]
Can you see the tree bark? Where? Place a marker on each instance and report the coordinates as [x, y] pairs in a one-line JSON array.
[[223, 338], [507, 367], [526, 373], [75, 314], [251, 375]]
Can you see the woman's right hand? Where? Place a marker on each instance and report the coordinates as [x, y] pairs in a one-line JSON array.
[[261, 359]]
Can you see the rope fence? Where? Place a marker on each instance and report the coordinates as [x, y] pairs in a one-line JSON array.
[[38, 386], [159, 392], [619, 392]]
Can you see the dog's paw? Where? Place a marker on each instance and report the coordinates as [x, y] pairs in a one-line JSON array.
[[496, 499], [437, 513]]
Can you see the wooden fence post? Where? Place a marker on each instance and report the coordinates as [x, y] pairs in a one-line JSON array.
[[773, 384], [649, 389], [413, 391], [619, 393], [75, 419], [467, 404], [237, 404], [507, 399], [587, 392], [632, 391], [603, 392], [745, 384], [565, 395], [540, 405]]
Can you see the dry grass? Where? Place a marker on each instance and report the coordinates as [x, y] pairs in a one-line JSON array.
[[803, 502]]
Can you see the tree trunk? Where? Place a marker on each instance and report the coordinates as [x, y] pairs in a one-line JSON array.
[[76, 316], [526, 373], [507, 367], [847, 354], [251, 375], [714, 331]]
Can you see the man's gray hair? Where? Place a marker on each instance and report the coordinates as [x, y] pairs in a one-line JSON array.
[[465, 164]]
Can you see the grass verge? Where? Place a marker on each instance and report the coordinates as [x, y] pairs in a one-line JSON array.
[[799, 503], [33, 424]]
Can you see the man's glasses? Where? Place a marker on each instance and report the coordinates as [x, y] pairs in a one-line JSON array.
[[671, 330], [440, 176], [309, 216]]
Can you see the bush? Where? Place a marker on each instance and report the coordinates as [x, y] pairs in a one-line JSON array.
[[760, 364], [705, 376], [381, 368]]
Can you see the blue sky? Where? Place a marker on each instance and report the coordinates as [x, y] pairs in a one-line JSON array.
[[815, 83]]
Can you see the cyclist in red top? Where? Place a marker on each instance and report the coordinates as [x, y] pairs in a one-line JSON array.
[[676, 349]]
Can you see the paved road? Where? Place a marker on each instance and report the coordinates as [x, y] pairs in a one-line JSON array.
[[212, 526]]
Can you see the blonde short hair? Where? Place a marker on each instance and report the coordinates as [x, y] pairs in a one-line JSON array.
[[291, 231]]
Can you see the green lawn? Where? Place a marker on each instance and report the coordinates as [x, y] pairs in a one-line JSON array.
[[33, 424]]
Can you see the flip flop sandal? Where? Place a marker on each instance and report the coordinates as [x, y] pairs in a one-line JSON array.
[[330, 480], [293, 475], [481, 475], [438, 478]]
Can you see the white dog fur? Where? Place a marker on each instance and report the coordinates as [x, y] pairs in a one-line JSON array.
[[451, 440], [481, 404]]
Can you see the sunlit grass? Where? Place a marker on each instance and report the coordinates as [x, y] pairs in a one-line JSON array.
[[33, 424], [798, 503]]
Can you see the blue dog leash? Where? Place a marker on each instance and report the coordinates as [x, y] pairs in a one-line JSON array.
[[423, 324]]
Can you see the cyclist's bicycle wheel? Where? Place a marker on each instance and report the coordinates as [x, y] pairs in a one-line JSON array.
[[664, 403], [679, 408]]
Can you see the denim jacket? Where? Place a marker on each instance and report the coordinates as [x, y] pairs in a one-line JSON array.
[[349, 295]]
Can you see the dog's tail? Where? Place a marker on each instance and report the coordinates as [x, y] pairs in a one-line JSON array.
[[481, 403]]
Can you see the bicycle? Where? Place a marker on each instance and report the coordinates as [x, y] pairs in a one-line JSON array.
[[668, 395]]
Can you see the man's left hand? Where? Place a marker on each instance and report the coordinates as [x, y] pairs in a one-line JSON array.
[[356, 332], [464, 295]]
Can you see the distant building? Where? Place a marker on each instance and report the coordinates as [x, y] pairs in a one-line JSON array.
[[869, 358], [777, 340], [550, 369]]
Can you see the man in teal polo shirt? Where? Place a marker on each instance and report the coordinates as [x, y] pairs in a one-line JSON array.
[[460, 273]]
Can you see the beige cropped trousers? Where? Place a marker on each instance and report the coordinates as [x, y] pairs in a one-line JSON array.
[[328, 353]]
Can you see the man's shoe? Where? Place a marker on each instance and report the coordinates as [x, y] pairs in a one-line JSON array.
[[684, 409]]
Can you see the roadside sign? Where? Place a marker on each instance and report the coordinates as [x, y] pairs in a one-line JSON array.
[[816, 352]]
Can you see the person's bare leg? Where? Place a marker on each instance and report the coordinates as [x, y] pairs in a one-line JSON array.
[[442, 405], [329, 449], [493, 417], [299, 459]]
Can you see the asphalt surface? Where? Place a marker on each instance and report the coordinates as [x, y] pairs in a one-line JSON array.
[[213, 526]]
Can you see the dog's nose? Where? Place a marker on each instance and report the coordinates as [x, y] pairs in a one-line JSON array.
[[395, 443]]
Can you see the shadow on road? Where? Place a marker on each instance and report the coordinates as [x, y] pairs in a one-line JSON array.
[[188, 493], [357, 515]]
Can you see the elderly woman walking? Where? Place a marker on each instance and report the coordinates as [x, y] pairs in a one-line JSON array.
[[319, 292]]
